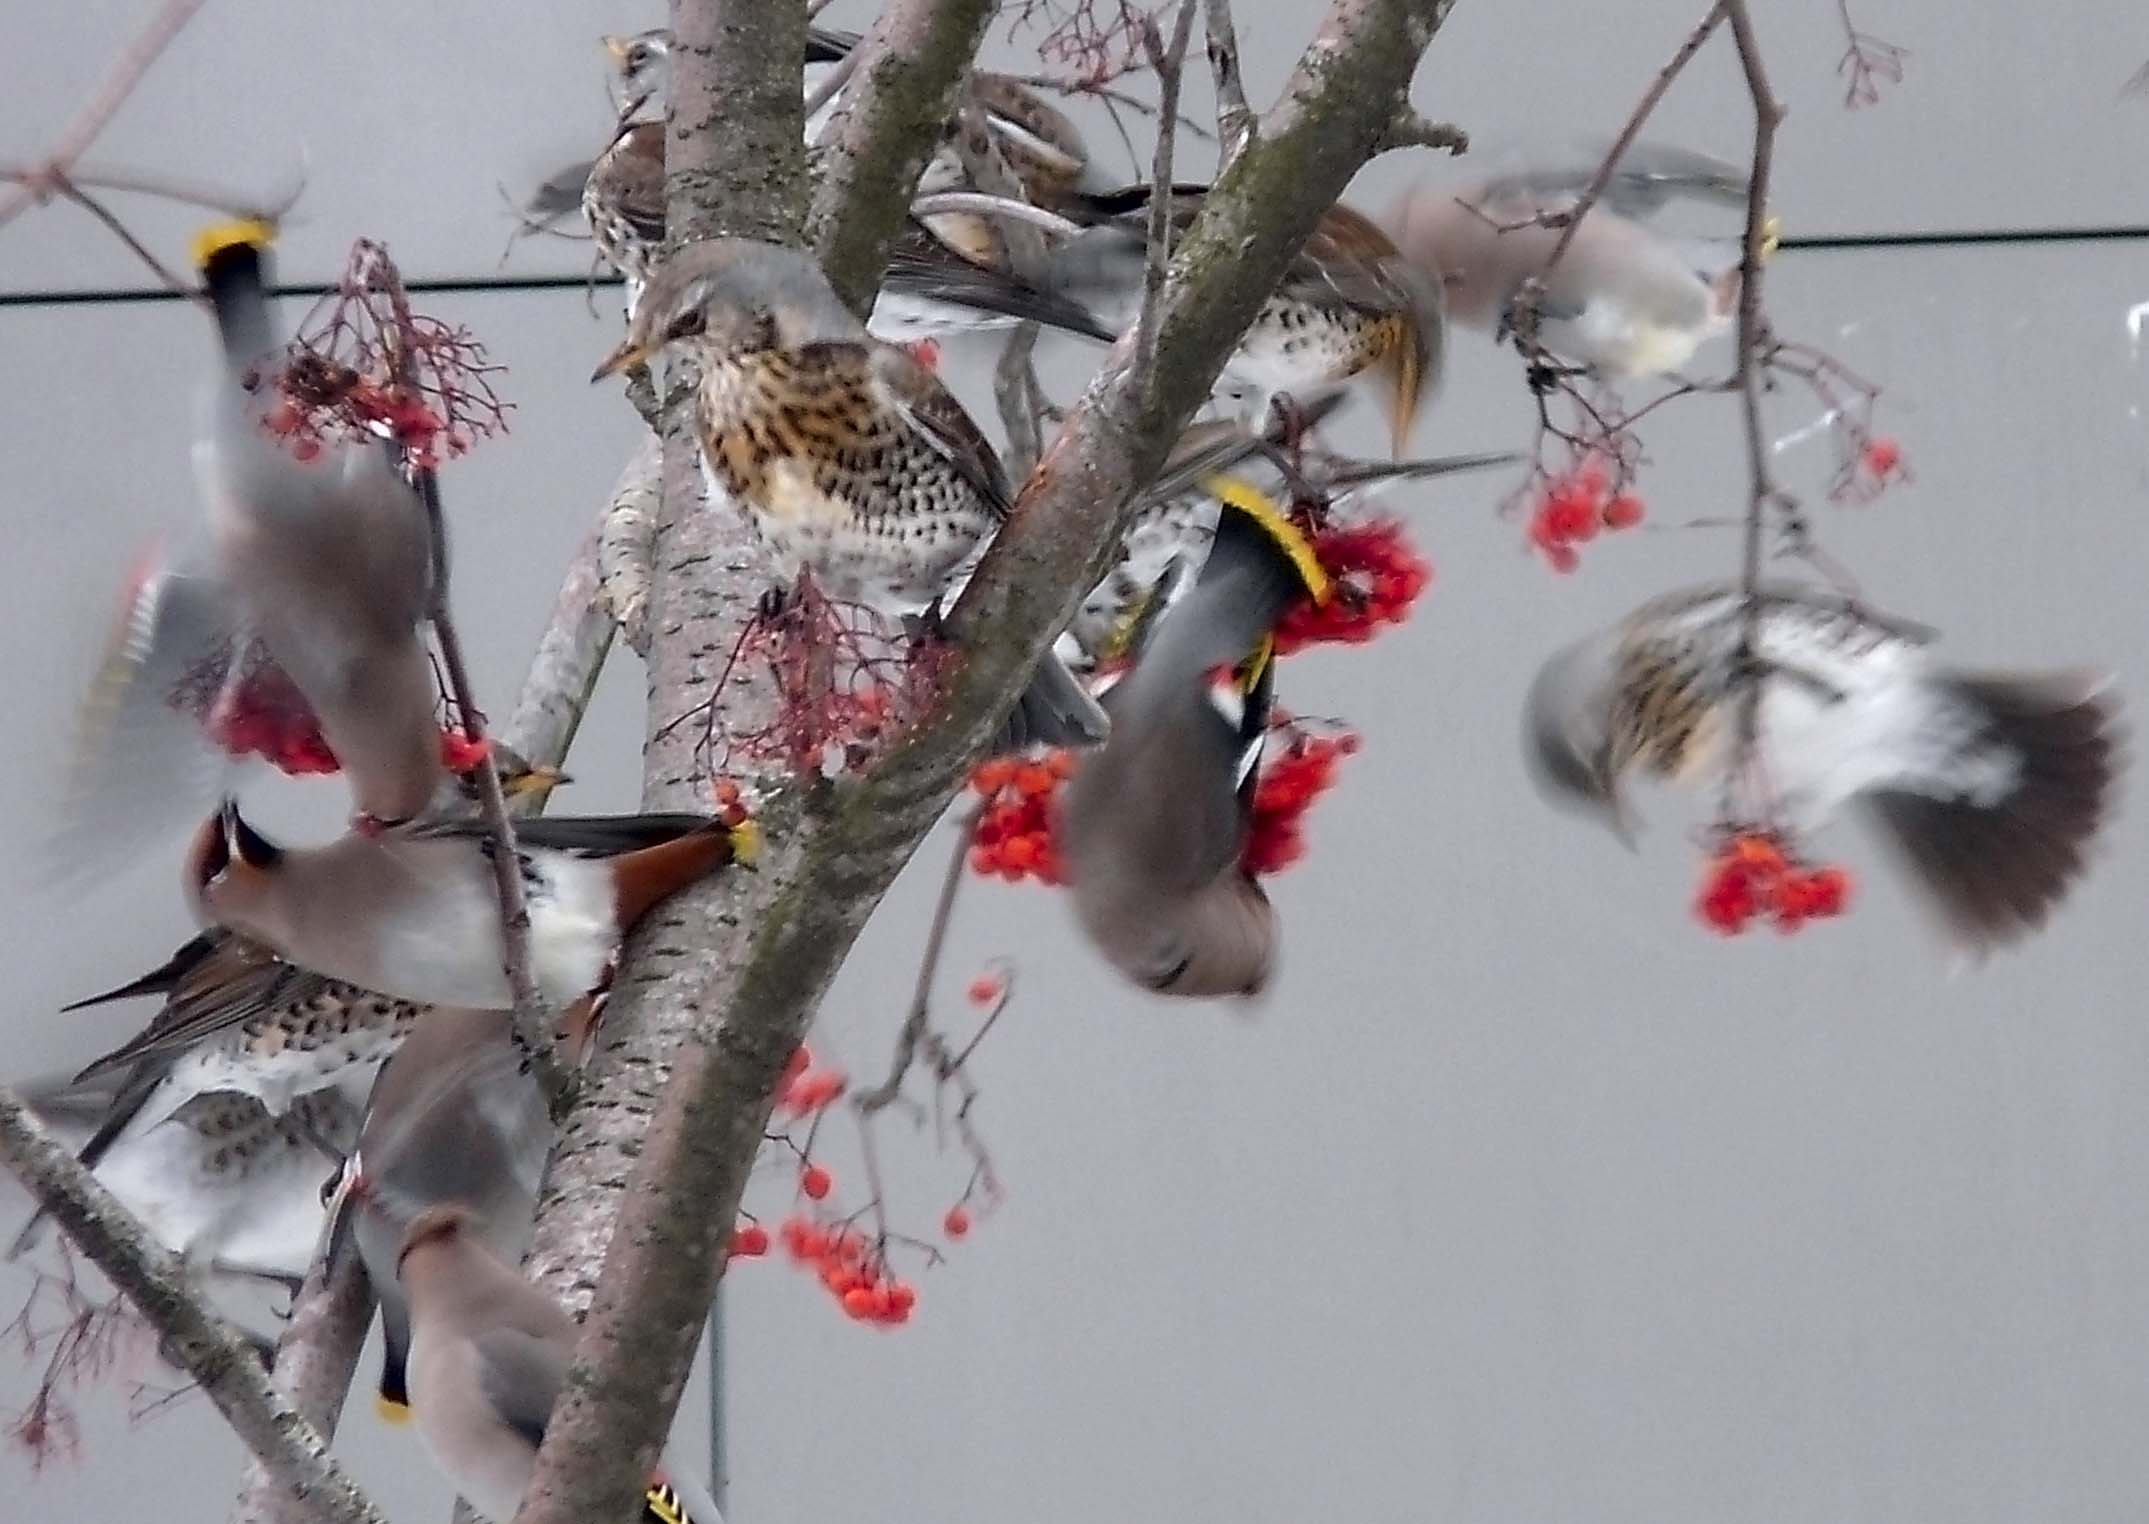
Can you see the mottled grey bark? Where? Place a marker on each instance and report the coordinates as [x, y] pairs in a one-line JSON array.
[[225, 1367], [910, 72], [749, 996], [315, 1359]]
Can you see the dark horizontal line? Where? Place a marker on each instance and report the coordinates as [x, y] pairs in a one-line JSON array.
[[1964, 238], [93, 298]]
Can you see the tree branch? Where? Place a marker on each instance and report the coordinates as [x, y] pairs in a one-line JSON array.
[[1762, 492], [1234, 118], [1168, 62], [315, 1357], [269, 1424], [38, 180], [910, 71], [835, 855], [569, 658]]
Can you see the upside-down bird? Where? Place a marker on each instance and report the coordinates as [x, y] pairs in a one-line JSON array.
[[1991, 787], [415, 913], [1155, 821]]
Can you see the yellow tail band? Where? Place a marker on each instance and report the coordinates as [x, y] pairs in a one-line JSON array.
[[745, 843], [1237, 492], [244, 232], [390, 1411]]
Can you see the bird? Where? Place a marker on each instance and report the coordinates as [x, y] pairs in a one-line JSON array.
[[1154, 823], [1627, 299], [1347, 307], [488, 1357], [931, 286], [331, 561], [229, 1187], [850, 459], [1991, 787], [414, 913], [1042, 147], [642, 63], [1176, 516], [456, 1116]]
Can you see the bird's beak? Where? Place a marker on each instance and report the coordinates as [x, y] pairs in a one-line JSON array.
[[1771, 235], [616, 45], [630, 352], [537, 781], [1618, 819]]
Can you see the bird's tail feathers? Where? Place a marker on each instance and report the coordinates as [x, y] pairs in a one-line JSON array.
[[1996, 869], [233, 260]]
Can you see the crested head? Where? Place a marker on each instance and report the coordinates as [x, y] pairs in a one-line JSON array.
[[229, 866], [724, 297], [439, 1224]]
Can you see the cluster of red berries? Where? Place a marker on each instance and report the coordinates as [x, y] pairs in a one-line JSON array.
[[1290, 780], [1751, 875], [1014, 833], [321, 402], [459, 753], [1375, 575], [803, 1090], [1574, 508], [844, 1261], [266, 717]]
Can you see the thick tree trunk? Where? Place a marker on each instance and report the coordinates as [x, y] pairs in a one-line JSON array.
[[743, 990]]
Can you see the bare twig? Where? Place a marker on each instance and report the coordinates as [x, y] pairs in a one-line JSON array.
[[1867, 62], [41, 179], [1169, 63], [1005, 207], [626, 541], [202, 1344], [921, 995], [196, 193], [1411, 130], [1017, 395], [1762, 492], [64, 187], [831, 83], [1530, 297], [1234, 119]]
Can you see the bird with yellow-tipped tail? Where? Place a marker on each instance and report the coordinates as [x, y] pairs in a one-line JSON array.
[[1155, 823]]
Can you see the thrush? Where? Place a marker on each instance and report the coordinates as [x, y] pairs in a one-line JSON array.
[[1990, 787], [415, 912], [1155, 821], [1626, 298], [1348, 306], [1041, 145], [642, 64], [850, 459], [929, 288], [232, 1189], [456, 1117], [488, 1357]]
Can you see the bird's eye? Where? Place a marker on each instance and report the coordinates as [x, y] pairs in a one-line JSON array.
[[690, 322], [638, 56]]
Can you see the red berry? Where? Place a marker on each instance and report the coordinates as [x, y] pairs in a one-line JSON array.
[[306, 451], [858, 1302], [750, 1241], [956, 1223], [815, 1181], [1562, 558], [985, 989], [1623, 512], [1882, 456]]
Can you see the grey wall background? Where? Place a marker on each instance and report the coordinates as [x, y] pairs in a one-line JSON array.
[[1523, 1198]]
